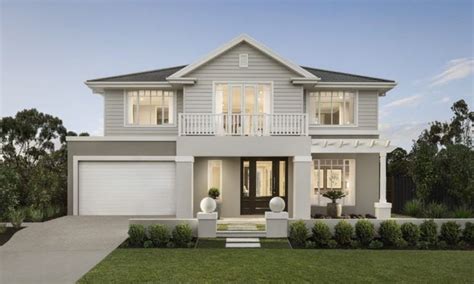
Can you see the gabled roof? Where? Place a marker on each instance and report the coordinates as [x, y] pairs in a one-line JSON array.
[[234, 42], [160, 75], [333, 76]]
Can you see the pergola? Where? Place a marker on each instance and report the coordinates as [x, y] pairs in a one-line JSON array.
[[362, 146]]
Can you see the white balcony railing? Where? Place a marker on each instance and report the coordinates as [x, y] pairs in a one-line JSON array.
[[283, 124]]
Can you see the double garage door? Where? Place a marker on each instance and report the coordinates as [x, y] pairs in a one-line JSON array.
[[126, 188]]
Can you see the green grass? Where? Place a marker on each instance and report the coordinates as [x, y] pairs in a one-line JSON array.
[[211, 243], [274, 243], [222, 227], [282, 265]]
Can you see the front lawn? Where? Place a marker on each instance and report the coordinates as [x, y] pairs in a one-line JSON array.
[[282, 265]]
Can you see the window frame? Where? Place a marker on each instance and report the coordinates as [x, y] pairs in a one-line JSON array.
[[126, 123], [356, 109], [317, 197], [243, 84], [209, 172]]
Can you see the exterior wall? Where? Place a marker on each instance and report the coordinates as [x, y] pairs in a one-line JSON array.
[[230, 191], [115, 148], [287, 98], [367, 183], [366, 114], [114, 117], [244, 146]]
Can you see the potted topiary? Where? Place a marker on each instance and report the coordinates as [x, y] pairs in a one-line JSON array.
[[214, 193], [334, 209]]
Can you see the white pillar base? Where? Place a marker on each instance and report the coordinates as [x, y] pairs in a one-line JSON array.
[[276, 224], [383, 210], [207, 224]]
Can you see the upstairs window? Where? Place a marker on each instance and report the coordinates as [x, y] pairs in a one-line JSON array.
[[150, 107], [331, 108]]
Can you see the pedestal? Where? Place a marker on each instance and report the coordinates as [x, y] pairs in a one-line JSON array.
[[276, 224], [207, 224]]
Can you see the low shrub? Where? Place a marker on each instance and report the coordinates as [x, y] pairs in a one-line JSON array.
[[442, 245], [462, 213], [148, 244], [401, 243], [332, 244], [136, 235], [310, 245], [321, 234], [468, 233], [298, 234], [343, 232], [365, 232], [375, 244], [171, 245], [159, 234], [413, 208], [428, 232], [52, 211], [423, 245], [17, 217], [182, 235], [355, 244], [390, 233], [3, 228], [450, 233], [34, 214], [410, 233], [436, 210]]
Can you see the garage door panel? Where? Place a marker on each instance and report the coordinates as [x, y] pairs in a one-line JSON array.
[[127, 188]]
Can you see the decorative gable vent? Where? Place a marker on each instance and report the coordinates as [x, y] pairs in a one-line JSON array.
[[244, 60]]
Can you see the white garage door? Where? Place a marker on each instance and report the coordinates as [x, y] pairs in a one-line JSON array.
[[127, 188]]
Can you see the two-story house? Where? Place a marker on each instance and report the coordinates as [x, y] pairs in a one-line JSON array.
[[242, 119]]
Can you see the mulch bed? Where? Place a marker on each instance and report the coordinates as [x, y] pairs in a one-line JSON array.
[[7, 235]]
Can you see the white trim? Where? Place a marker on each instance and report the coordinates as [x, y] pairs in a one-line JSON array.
[[351, 146], [209, 162], [184, 159], [243, 60], [302, 159], [242, 38], [99, 87], [243, 83], [168, 125], [381, 87], [75, 170], [313, 130], [121, 138]]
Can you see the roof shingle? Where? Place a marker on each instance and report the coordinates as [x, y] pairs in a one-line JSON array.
[[161, 75]]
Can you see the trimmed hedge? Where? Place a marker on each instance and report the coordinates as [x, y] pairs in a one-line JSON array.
[[159, 236], [298, 234], [410, 233], [450, 233], [321, 234], [428, 232], [343, 233], [390, 233], [365, 232]]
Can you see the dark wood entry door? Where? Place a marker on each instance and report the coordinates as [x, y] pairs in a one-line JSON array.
[[262, 179]]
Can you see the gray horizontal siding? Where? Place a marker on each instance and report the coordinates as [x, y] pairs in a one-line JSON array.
[[114, 124], [287, 98], [367, 114]]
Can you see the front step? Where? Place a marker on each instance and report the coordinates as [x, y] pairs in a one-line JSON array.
[[241, 234]]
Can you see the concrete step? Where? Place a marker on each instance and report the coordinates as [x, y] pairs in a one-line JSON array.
[[242, 245], [242, 240], [241, 234]]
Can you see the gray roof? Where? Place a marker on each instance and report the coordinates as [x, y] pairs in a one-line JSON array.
[[161, 74]]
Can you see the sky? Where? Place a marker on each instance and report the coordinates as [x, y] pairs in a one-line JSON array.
[[49, 48]]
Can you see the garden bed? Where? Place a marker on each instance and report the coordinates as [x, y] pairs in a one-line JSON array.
[[7, 234]]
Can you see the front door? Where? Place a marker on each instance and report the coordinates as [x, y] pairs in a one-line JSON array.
[[262, 179]]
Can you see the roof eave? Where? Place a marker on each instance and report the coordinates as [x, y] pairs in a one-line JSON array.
[[381, 87]]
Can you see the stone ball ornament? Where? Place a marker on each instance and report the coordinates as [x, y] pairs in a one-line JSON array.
[[277, 204], [208, 205]]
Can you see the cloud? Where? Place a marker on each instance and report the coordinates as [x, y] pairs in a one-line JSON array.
[[455, 69], [402, 135], [443, 100], [408, 101]]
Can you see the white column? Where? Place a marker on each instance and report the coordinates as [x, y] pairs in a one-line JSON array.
[[302, 166], [184, 186], [383, 178], [383, 209]]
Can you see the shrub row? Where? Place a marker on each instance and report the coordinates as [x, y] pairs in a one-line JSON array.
[[159, 236], [389, 235]]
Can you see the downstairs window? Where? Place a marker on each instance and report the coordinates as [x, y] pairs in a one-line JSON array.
[[333, 174]]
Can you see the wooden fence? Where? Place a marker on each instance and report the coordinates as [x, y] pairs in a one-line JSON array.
[[400, 189]]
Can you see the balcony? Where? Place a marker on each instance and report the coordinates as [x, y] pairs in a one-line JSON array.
[[208, 124]]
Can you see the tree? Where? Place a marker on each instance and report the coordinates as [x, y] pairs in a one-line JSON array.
[[34, 160], [398, 162]]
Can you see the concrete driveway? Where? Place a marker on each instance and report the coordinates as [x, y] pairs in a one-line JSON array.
[[60, 250]]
